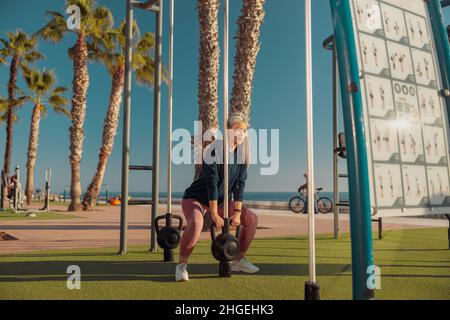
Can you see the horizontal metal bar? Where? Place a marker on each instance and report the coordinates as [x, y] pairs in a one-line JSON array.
[[139, 202], [343, 176], [343, 204], [149, 5], [141, 168]]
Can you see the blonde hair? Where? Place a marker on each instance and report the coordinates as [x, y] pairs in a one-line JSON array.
[[244, 148], [236, 117]]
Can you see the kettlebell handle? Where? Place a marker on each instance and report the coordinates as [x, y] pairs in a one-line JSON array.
[[177, 217], [157, 223], [213, 231]]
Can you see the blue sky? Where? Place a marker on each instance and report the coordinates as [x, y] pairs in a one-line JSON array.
[[278, 100]]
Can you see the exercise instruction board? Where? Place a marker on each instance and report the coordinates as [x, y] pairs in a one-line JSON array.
[[406, 120]]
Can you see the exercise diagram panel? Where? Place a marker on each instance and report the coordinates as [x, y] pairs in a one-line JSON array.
[[406, 120]]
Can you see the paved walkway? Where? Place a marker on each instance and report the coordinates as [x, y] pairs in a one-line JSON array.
[[101, 228]]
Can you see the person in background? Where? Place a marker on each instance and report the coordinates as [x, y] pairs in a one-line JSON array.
[[303, 189]]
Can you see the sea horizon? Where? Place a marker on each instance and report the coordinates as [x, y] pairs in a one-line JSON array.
[[249, 195]]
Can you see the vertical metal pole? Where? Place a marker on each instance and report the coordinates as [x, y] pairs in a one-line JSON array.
[[169, 149], [356, 148], [225, 109], [168, 253], [312, 289], [335, 144], [16, 190], [225, 267], [48, 179], [156, 125], [126, 131]]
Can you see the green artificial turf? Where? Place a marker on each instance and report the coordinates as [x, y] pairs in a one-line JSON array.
[[415, 264], [9, 215]]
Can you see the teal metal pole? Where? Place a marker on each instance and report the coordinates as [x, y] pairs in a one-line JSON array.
[[443, 52], [357, 161], [442, 44]]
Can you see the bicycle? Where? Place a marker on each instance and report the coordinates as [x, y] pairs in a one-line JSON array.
[[298, 203]]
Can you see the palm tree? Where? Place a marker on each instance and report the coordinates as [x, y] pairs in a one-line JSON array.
[[247, 48], [208, 76], [95, 21], [22, 50], [43, 94], [112, 54]]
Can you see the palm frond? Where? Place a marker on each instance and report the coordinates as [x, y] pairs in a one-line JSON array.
[[18, 91], [3, 104], [4, 42], [86, 6], [145, 74], [33, 56], [59, 90], [46, 81], [147, 44], [55, 28], [104, 18], [59, 103], [19, 102], [20, 44], [71, 52]]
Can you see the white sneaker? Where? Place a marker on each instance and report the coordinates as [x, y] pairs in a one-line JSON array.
[[245, 266], [181, 273]]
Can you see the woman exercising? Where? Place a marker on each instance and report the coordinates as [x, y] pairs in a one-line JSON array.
[[205, 196]]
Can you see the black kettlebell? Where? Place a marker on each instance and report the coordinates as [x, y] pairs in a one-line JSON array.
[[168, 237], [225, 247]]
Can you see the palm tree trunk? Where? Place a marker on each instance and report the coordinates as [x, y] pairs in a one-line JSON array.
[[208, 77], [10, 117], [32, 151], [109, 133], [80, 85], [247, 48]]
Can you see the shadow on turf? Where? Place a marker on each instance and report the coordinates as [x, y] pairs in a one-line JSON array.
[[140, 270]]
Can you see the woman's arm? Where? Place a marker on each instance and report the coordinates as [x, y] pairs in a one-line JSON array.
[[212, 178], [218, 221], [238, 191], [238, 195]]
